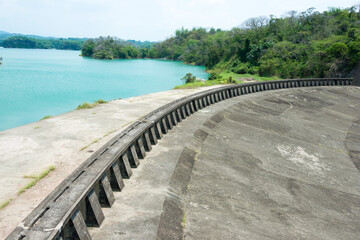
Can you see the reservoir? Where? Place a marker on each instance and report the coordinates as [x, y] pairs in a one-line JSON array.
[[35, 83]]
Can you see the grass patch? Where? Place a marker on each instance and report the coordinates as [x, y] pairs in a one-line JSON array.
[[96, 140], [85, 147], [35, 179], [107, 134], [46, 117], [199, 84], [86, 105], [100, 101], [183, 222], [224, 76], [4, 204], [246, 77], [110, 132]]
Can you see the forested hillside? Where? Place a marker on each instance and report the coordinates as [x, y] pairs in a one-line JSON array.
[[43, 43], [112, 48], [307, 44]]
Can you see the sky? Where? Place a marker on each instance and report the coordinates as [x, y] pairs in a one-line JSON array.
[[151, 20]]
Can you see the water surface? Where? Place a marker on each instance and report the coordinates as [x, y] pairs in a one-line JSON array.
[[38, 82]]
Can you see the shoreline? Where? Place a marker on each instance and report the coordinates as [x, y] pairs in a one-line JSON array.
[[73, 80], [75, 109]]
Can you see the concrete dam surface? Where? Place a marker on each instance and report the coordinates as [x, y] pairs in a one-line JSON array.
[[281, 164], [270, 165]]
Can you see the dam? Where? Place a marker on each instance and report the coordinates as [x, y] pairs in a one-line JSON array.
[[251, 161]]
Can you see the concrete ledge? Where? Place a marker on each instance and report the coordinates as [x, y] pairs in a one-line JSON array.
[[74, 203]]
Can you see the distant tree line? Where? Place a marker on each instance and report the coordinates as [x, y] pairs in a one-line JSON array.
[[112, 48], [42, 43]]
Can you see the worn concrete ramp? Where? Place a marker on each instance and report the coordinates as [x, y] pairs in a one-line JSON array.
[[279, 164]]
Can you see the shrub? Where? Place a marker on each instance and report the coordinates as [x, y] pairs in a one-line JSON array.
[[230, 80], [100, 101], [189, 78], [91, 105], [214, 75], [241, 68], [46, 117], [338, 50], [85, 105]]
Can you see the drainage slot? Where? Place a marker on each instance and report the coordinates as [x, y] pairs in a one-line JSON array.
[[62, 192], [78, 176], [113, 143], [92, 162], [21, 237], [103, 151], [40, 216]]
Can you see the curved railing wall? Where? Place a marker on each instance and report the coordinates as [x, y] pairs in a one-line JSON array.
[[76, 203]]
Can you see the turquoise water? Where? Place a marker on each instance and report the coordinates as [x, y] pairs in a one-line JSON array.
[[35, 83]]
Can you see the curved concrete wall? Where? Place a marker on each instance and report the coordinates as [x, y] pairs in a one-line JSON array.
[[76, 203]]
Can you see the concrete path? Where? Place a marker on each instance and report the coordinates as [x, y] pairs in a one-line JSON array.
[[64, 141], [270, 165]]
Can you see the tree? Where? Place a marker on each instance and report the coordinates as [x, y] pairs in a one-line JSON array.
[[88, 47], [189, 78], [256, 23]]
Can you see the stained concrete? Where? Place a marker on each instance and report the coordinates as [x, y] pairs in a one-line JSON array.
[[269, 165], [282, 176]]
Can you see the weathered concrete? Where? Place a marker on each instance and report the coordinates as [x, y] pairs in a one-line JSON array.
[[356, 75], [64, 141], [276, 168], [270, 165]]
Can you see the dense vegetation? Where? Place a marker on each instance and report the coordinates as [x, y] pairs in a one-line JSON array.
[[307, 44], [43, 43], [4, 35], [110, 48]]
